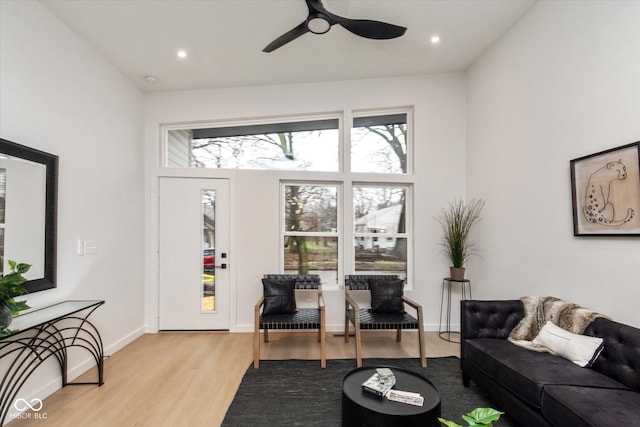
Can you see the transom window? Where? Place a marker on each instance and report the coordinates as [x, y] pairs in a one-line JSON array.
[[379, 144], [311, 145]]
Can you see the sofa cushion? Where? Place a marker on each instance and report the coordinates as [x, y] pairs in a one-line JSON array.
[[526, 373], [586, 406]]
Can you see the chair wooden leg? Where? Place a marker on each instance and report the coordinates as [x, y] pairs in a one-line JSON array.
[[423, 354], [323, 350], [266, 335], [356, 325], [399, 335], [358, 347], [256, 345], [323, 342], [346, 328]]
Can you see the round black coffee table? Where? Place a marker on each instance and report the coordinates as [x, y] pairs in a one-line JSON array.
[[360, 408]]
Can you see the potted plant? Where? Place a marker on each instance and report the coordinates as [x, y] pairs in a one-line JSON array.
[[456, 222], [11, 286], [477, 417]]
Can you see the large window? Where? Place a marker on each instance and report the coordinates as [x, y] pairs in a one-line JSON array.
[[310, 229], [355, 172]]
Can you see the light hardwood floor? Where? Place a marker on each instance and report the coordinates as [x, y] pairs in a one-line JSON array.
[[190, 379]]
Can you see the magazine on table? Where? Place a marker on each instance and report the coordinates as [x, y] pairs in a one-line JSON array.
[[381, 384]]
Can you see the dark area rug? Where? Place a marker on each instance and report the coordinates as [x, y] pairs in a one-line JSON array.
[[300, 393]]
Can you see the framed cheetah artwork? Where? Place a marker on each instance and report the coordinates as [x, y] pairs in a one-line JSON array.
[[605, 191]]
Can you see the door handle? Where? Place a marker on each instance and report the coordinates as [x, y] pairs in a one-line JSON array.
[[221, 266]]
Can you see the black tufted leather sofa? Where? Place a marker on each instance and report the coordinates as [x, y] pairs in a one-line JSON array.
[[539, 389]]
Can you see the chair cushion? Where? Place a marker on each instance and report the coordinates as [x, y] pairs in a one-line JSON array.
[[304, 318], [386, 296], [279, 296], [370, 320]]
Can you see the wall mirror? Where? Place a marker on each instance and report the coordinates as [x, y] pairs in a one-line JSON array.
[[28, 212]]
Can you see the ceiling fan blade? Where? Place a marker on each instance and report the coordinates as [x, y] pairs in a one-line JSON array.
[[287, 37], [371, 29]]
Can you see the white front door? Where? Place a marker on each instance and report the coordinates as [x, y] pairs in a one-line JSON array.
[[194, 254]]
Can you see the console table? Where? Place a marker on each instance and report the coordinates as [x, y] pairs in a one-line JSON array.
[[36, 335]]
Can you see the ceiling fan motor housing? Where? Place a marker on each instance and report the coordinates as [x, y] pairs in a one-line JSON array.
[[318, 23]]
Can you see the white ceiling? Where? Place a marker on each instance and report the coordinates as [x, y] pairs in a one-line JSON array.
[[224, 39]]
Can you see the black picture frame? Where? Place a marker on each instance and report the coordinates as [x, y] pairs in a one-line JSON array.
[[50, 161], [605, 192]]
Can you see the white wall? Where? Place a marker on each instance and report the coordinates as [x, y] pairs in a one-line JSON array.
[[59, 96], [439, 117], [563, 83]]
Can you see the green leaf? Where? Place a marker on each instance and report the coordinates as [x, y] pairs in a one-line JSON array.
[[482, 416], [15, 306], [448, 423], [11, 285], [22, 268]]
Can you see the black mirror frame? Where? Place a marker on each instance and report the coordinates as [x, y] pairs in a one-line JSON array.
[[50, 161]]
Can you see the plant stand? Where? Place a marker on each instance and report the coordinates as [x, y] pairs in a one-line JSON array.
[[446, 283]]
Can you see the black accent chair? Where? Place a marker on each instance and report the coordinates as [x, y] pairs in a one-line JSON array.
[[363, 319], [303, 318]]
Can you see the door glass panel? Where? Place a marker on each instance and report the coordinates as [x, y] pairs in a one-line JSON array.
[[208, 250]]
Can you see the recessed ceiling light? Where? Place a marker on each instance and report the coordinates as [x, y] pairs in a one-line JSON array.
[[182, 54], [435, 39], [151, 79]]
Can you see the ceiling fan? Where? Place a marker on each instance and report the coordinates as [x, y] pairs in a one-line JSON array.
[[320, 20]]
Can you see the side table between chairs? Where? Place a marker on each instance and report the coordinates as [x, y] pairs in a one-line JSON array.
[[446, 282]]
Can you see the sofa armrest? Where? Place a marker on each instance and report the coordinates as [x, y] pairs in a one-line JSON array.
[[488, 319]]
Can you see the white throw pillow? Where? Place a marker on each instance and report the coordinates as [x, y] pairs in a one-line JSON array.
[[580, 349]]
